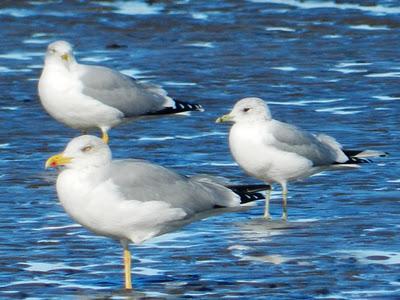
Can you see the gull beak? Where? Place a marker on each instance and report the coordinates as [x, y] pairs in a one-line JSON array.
[[57, 160], [224, 118], [65, 57]]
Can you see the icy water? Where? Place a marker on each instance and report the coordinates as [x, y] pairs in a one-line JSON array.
[[327, 66]]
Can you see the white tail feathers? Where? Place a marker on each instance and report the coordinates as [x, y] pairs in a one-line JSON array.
[[334, 145]]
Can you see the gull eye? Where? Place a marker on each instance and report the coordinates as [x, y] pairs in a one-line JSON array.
[[246, 109], [87, 148]]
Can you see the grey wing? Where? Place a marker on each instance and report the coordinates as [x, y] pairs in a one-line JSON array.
[[122, 92], [143, 181], [292, 139]]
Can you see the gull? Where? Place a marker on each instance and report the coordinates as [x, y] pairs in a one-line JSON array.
[[133, 200], [277, 152], [87, 96]]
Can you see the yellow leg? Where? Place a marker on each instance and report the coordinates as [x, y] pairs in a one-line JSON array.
[[127, 266], [266, 209], [284, 201], [105, 137]]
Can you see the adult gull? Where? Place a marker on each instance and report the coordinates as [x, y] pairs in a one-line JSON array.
[[277, 152], [87, 96], [133, 200]]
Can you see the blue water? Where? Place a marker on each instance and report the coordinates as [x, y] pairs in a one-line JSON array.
[[327, 66]]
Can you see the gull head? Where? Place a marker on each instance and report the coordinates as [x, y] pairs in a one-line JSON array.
[[247, 110], [82, 152], [60, 52]]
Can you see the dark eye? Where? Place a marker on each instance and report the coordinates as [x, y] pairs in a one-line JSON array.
[[87, 148], [246, 109]]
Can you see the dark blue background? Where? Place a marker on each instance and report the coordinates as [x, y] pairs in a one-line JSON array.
[[325, 66]]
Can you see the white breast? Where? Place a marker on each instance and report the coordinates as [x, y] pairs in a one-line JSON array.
[[60, 94], [97, 204], [252, 148]]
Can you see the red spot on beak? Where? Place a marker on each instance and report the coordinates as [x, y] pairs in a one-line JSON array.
[[53, 164]]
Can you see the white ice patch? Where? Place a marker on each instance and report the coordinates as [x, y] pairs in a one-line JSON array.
[[285, 68], [58, 227], [148, 271], [239, 247], [135, 73], [5, 146], [305, 102], [240, 252], [199, 16], [309, 220], [96, 59], [134, 7], [196, 136], [201, 44], [386, 98], [17, 13], [285, 29], [348, 71], [348, 67], [332, 36], [376, 9], [351, 64], [17, 56], [394, 181], [48, 241], [175, 83], [5, 69], [373, 256], [9, 107], [363, 294], [342, 110], [387, 74], [376, 229], [272, 259], [46, 267], [164, 138], [37, 41], [22, 13], [369, 27]]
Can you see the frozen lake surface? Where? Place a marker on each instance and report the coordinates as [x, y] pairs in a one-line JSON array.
[[327, 66]]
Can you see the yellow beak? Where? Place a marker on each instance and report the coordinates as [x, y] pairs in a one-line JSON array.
[[57, 160], [224, 118], [65, 57]]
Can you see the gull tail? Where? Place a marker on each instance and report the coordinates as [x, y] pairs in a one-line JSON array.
[[179, 107], [362, 156], [249, 193]]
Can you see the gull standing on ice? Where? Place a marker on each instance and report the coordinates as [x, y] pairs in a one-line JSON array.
[[277, 152], [133, 200], [86, 97]]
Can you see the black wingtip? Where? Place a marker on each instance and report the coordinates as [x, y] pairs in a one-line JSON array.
[[180, 107], [353, 159], [185, 106], [249, 193]]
